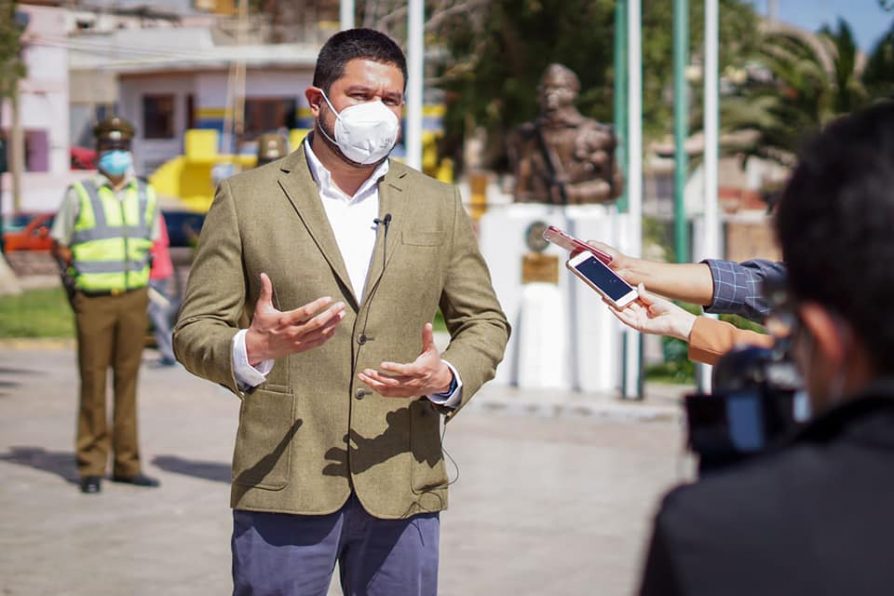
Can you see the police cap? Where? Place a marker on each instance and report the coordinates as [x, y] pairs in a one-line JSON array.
[[271, 146], [113, 131]]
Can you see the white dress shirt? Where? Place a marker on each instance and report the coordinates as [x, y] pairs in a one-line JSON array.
[[352, 221]]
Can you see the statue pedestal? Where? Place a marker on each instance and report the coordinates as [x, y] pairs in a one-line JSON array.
[[542, 355], [563, 336]]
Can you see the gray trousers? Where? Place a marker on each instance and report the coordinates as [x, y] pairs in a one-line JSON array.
[[160, 314], [295, 555]]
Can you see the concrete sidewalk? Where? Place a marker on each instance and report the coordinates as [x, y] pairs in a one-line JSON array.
[[554, 493]]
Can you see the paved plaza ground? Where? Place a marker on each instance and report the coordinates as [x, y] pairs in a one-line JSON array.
[[554, 495]]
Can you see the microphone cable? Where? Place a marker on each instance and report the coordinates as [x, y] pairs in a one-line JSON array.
[[385, 220]]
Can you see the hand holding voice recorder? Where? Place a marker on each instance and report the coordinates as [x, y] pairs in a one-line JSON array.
[[598, 276]]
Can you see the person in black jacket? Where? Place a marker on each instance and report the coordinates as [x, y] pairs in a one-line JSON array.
[[815, 516]]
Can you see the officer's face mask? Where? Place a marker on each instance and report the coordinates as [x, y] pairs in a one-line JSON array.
[[115, 162], [365, 133]]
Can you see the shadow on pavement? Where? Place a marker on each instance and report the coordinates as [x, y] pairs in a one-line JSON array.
[[6, 384], [61, 463], [5, 370], [207, 470]]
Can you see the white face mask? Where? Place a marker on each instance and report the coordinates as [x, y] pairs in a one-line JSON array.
[[366, 132]]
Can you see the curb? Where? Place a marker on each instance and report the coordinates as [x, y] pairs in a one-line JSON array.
[[661, 404], [584, 408], [37, 343]]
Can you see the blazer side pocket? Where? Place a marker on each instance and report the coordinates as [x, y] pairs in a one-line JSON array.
[[267, 426], [429, 473], [414, 238]]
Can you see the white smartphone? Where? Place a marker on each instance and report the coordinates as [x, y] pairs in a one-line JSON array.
[[598, 276]]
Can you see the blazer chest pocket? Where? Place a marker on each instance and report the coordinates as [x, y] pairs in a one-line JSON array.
[[267, 426], [414, 238]]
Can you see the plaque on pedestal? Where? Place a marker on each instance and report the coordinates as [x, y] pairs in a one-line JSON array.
[[540, 268], [536, 266]]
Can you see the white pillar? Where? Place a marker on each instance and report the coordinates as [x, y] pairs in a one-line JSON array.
[[346, 14], [413, 114], [635, 178], [711, 242]]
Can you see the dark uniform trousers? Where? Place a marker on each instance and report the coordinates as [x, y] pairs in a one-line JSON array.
[[111, 331]]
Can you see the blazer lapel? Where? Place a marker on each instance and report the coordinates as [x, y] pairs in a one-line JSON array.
[[392, 200], [302, 191]]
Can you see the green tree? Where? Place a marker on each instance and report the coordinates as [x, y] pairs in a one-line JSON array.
[[495, 64], [11, 66], [878, 76], [799, 82], [496, 57], [739, 37]]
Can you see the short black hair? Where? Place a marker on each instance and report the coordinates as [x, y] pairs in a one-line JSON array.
[[351, 44], [835, 223]]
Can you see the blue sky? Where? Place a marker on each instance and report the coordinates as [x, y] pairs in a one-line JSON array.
[[866, 17]]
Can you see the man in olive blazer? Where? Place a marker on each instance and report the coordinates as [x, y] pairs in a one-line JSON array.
[[331, 422], [313, 430]]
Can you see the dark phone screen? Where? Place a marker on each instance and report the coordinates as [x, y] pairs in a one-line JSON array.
[[604, 278]]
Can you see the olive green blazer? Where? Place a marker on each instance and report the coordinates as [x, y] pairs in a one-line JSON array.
[[312, 431]]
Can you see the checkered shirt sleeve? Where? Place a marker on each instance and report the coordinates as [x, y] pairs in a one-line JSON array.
[[738, 287]]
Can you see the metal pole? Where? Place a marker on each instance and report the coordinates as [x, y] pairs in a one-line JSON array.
[[415, 57], [773, 11], [681, 115], [712, 224], [17, 148], [621, 94], [239, 81], [632, 370], [4, 156], [346, 14]]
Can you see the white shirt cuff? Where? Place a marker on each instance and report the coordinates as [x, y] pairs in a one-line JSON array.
[[452, 400], [247, 375]]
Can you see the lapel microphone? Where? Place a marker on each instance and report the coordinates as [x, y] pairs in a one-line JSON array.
[[385, 221]]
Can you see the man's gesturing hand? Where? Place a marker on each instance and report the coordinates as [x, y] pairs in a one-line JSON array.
[[274, 333], [426, 375]]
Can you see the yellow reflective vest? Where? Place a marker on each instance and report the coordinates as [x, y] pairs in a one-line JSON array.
[[111, 239]]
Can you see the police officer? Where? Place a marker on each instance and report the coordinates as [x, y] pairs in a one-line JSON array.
[[271, 146], [103, 233]]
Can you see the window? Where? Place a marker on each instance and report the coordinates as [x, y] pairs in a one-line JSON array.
[[267, 115], [190, 111], [37, 151], [158, 116]]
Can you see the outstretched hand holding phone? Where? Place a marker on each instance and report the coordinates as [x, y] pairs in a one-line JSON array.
[[574, 245], [655, 315]]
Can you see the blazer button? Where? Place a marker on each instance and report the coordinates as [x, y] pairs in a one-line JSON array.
[[361, 393], [362, 339]]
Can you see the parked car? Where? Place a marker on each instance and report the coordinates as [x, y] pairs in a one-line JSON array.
[[82, 158], [183, 227], [31, 231], [28, 231]]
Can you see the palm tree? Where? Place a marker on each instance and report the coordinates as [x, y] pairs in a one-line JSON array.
[[878, 75], [798, 81]]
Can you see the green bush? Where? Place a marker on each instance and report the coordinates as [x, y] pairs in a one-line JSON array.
[[36, 313], [677, 368]]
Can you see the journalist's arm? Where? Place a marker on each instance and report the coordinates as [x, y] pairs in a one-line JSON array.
[[721, 287]]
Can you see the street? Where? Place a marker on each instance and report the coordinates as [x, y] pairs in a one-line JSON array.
[[554, 500]]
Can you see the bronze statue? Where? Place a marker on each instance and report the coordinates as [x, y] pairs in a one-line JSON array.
[[563, 157]]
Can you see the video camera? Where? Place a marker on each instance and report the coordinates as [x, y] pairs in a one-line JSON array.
[[757, 397]]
